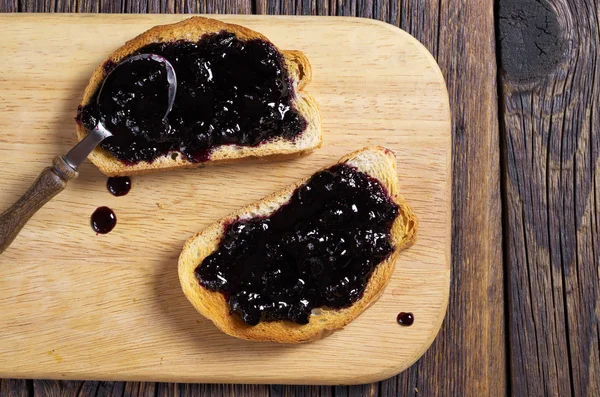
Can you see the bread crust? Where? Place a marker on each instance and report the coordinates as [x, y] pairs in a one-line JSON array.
[[377, 162], [192, 29]]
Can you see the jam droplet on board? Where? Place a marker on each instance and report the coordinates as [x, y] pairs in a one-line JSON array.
[[103, 220], [118, 186], [406, 319]]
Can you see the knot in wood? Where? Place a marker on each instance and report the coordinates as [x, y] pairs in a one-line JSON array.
[[531, 40]]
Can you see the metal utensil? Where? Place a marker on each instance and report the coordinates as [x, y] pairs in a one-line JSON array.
[[53, 180]]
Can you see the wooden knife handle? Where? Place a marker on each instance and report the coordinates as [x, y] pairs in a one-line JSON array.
[[51, 181]]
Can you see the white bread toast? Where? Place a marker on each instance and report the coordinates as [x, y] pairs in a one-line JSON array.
[[300, 73], [378, 163]]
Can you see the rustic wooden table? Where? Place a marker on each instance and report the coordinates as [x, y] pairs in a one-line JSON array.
[[524, 84]]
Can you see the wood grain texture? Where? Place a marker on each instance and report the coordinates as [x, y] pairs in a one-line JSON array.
[[119, 292], [472, 345], [193, 390], [13, 388], [551, 133]]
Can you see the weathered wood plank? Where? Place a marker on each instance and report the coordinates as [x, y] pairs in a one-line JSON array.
[[178, 390], [48, 388], [135, 389], [550, 90], [13, 388], [193, 390], [369, 390], [56, 388], [87, 6], [300, 391], [9, 6]]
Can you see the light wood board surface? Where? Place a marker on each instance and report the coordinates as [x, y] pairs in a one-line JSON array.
[[74, 305]]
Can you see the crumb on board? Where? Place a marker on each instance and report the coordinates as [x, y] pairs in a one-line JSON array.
[[55, 355]]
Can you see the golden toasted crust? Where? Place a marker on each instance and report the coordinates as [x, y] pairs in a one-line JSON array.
[[377, 162], [192, 29]]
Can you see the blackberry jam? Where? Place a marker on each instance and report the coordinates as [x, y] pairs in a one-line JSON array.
[[103, 220], [118, 186], [405, 318], [317, 250], [229, 91]]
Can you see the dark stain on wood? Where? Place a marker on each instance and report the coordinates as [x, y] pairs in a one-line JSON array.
[[531, 41]]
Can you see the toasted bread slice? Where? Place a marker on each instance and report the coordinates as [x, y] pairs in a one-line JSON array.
[[192, 29], [377, 162]]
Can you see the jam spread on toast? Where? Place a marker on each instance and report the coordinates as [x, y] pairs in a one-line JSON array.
[[118, 186], [318, 250], [103, 220], [229, 91]]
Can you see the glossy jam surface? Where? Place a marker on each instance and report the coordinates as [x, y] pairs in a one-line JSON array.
[[228, 92], [103, 220], [118, 186], [318, 250], [405, 318]]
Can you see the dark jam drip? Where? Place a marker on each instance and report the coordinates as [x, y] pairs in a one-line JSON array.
[[118, 186], [318, 250], [103, 220], [229, 92], [406, 319]]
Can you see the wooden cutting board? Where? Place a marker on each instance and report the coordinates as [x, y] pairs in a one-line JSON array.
[[74, 305]]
